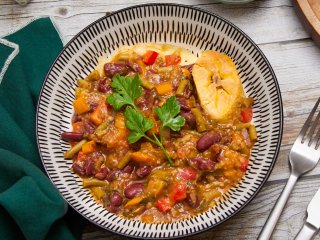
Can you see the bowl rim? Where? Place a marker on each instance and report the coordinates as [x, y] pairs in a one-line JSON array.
[[277, 149]]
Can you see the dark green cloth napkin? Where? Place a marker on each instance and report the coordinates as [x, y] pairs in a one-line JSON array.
[[30, 206]]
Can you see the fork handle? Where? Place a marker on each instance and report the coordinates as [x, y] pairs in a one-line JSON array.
[[272, 220], [307, 232]]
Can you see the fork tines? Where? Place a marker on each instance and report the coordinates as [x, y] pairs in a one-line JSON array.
[[310, 132]]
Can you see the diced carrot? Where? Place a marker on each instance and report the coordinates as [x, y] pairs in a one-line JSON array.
[[164, 88], [89, 147], [80, 105], [100, 113], [133, 202], [140, 157]]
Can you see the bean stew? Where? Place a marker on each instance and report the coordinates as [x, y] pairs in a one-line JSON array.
[[148, 143]]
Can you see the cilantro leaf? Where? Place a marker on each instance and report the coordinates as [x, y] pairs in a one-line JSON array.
[[168, 114], [137, 124], [127, 90]]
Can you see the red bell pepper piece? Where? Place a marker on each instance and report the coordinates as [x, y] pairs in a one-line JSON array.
[[150, 57], [179, 192], [188, 173], [164, 204], [246, 115], [172, 59]]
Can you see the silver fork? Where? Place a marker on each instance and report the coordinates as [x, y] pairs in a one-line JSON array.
[[304, 156]]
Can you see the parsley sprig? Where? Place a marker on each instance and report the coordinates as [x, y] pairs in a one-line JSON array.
[[126, 91]]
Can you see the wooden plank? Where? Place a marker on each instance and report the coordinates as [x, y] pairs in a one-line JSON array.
[[247, 224], [268, 19], [294, 63]]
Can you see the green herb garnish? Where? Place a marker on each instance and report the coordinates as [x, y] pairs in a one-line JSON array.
[[169, 115], [138, 124], [128, 89]]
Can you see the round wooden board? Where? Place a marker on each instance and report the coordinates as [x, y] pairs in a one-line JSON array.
[[309, 12]]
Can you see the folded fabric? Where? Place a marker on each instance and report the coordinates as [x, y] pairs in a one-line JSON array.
[[30, 206]]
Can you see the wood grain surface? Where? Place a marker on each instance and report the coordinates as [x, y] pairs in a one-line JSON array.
[[275, 27], [309, 12]]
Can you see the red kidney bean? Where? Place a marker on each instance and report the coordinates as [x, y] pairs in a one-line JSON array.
[[76, 118], [134, 66], [113, 209], [89, 166], [143, 105], [143, 171], [71, 136], [207, 139], [203, 163], [133, 190], [113, 174], [104, 86], [78, 169], [190, 119], [111, 69], [183, 104], [115, 199], [128, 169], [102, 173], [187, 93], [89, 127], [93, 106]]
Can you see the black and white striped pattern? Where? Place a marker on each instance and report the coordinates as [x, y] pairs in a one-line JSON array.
[[183, 26]]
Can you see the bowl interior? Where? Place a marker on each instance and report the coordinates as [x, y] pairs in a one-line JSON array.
[[184, 26]]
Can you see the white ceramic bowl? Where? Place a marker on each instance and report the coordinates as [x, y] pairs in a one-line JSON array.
[[185, 26]]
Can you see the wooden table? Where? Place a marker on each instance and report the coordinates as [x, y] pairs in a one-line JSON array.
[[274, 26]]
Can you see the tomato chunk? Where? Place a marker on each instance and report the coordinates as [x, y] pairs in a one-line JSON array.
[[179, 192], [172, 59], [244, 164], [150, 57], [188, 173], [164, 204], [246, 115]]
